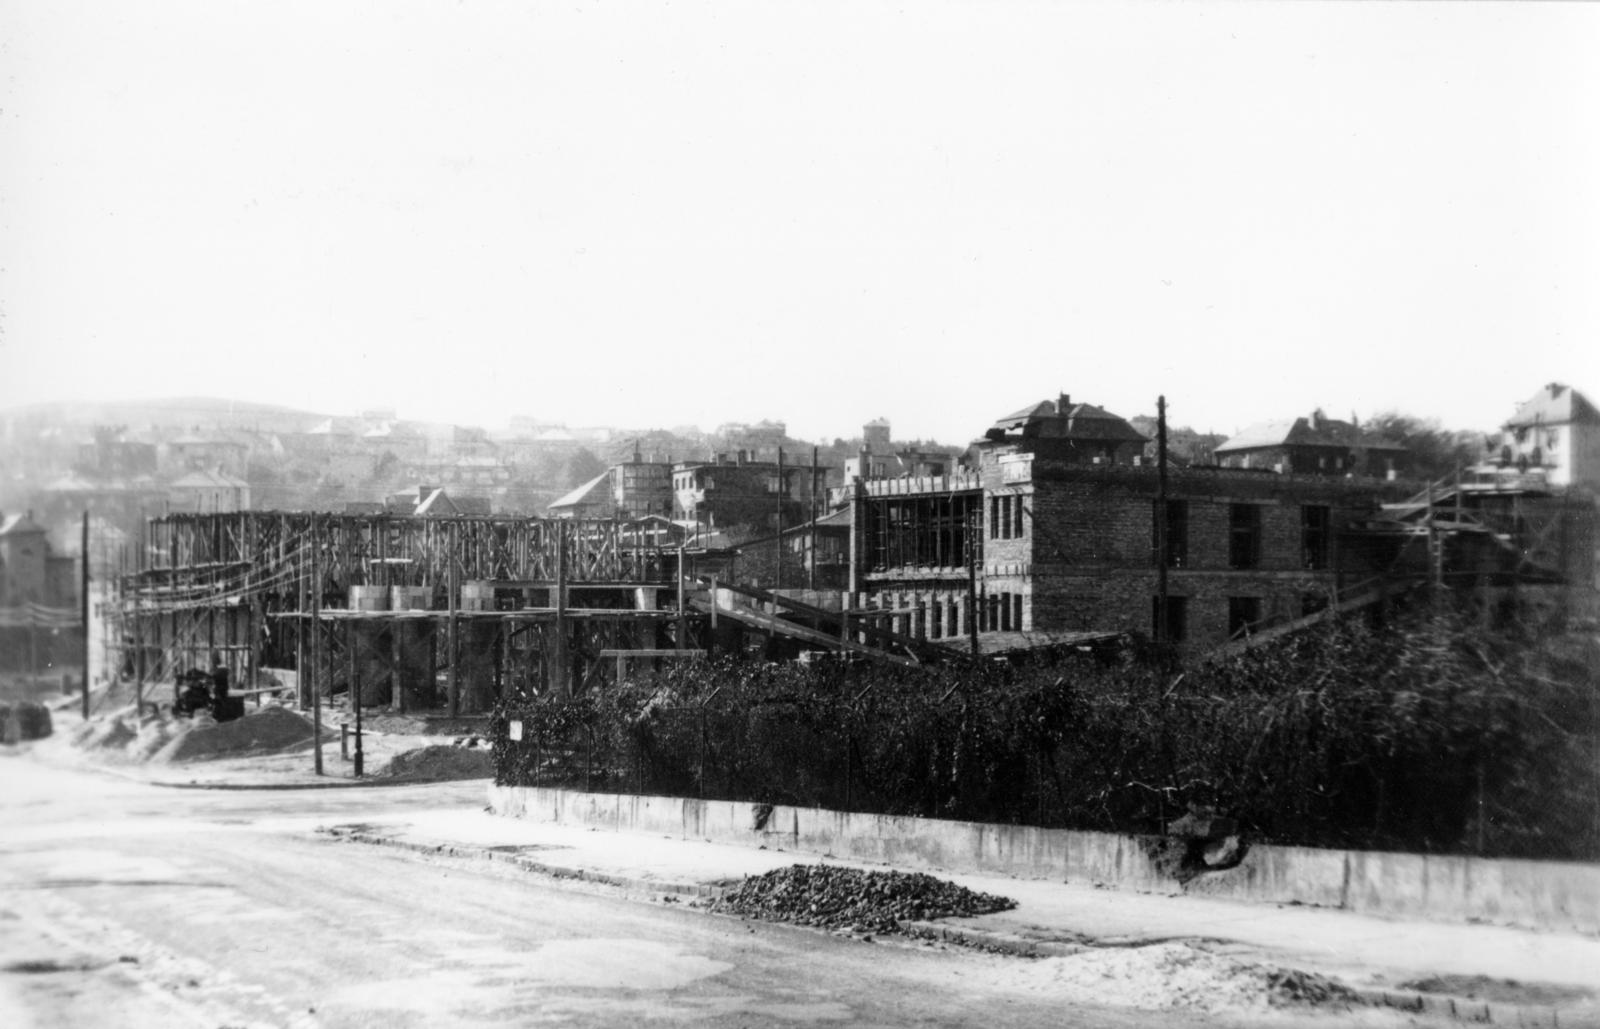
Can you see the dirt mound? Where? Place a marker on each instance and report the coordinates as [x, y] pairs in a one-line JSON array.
[[268, 730], [155, 734], [110, 734], [438, 763], [846, 898]]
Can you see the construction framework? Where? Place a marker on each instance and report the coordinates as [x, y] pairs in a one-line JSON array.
[[399, 607], [438, 615]]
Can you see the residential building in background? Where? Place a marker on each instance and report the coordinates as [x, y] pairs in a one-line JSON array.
[[1314, 445], [29, 572], [1556, 431]]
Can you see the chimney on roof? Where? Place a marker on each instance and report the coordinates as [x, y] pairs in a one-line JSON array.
[[1063, 403]]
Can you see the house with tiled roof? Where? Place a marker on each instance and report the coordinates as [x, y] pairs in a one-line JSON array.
[[1313, 445], [1076, 433]]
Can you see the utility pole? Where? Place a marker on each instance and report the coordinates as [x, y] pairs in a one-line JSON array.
[[811, 573], [1162, 601], [83, 610], [315, 585], [778, 582], [974, 543]]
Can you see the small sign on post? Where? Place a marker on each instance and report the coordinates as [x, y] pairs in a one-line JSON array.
[[516, 732]]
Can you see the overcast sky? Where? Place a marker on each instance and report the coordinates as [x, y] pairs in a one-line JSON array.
[[653, 214]]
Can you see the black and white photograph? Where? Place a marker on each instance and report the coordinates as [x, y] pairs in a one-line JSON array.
[[799, 513]]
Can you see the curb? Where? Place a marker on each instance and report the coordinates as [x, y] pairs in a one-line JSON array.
[[529, 864], [127, 776], [1459, 1009], [341, 784]]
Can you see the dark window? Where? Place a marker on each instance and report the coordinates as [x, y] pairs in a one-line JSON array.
[[1005, 612], [1176, 621], [1243, 614], [1176, 554], [1016, 611], [1005, 517], [1314, 534], [1244, 535]]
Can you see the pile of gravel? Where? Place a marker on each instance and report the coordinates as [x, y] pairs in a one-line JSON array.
[[269, 730], [846, 898], [438, 763]]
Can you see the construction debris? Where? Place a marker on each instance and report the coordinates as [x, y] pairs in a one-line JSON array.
[[827, 896]]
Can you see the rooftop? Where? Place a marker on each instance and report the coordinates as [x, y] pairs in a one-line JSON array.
[[1555, 404]]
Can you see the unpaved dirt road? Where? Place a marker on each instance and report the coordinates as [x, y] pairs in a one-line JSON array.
[[123, 904]]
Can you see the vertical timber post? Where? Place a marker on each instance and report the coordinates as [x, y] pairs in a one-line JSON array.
[[558, 646], [683, 617], [974, 542], [314, 586], [1162, 603], [811, 571], [352, 638], [778, 539], [453, 585], [83, 611]]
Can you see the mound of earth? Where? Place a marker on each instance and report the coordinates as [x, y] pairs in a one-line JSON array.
[[110, 734], [266, 731], [153, 735], [439, 763], [848, 898]]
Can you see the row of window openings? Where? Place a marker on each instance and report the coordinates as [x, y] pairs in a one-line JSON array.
[[997, 612], [1005, 517], [1244, 615], [1244, 535]]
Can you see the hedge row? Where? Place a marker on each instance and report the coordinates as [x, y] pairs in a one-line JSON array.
[[1433, 736]]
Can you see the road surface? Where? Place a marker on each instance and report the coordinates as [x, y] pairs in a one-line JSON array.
[[123, 904]]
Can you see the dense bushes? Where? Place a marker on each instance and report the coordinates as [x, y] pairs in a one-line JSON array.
[[1432, 736]]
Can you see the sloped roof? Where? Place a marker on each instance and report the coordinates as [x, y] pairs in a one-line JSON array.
[[582, 493], [19, 524], [1077, 421], [1301, 432], [1555, 404], [436, 503]]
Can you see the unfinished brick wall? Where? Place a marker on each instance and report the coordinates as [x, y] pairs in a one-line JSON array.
[[1091, 552]]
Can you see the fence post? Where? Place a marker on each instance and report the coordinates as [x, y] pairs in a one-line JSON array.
[[849, 769]]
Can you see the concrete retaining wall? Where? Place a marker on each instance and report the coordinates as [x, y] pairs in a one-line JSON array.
[[1534, 894]]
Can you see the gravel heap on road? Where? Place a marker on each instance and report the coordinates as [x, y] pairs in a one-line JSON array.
[[268, 730], [846, 898], [438, 763]]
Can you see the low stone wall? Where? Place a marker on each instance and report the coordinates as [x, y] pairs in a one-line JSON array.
[[1533, 894]]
